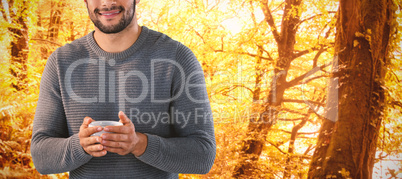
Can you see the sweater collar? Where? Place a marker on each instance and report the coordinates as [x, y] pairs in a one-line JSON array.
[[119, 55]]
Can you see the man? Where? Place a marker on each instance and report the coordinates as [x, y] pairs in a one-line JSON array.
[[122, 68]]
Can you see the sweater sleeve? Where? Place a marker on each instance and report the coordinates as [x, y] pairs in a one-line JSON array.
[[194, 148], [52, 149]]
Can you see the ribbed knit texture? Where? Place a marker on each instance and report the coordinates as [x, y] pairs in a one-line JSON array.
[[80, 79]]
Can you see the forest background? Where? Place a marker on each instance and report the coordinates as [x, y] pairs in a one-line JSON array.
[[240, 45]]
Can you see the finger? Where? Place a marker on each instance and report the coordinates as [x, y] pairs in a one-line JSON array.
[[91, 130], [86, 122], [114, 137], [119, 151], [113, 144], [123, 118], [94, 148], [118, 129], [99, 154], [91, 140]]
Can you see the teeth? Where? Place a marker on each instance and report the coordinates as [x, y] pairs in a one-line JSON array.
[[107, 14]]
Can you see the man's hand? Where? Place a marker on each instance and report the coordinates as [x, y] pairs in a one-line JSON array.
[[124, 140], [91, 144]]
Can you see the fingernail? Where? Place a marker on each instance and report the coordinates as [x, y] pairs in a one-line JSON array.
[[98, 139], [103, 137], [106, 129], [99, 128]]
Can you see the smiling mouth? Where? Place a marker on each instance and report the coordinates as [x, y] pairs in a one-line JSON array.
[[109, 13]]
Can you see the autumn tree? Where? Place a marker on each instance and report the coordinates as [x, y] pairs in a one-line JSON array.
[[58, 22], [16, 13], [346, 147], [49, 25], [287, 52], [24, 30], [258, 57]]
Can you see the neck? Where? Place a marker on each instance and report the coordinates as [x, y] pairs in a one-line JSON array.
[[118, 42]]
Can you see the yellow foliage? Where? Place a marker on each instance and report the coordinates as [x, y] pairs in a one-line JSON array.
[[226, 37]]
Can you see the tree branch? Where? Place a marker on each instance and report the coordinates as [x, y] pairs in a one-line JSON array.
[[48, 41], [252, 13], [304, 52], [394, 103], [322, 48], [312, 17], [280, 150], [269, 58], [314, 78], [293, 111], [306, 137], [302, 101], [291, 120], [280, 5], [199, 35], [310, 147], [270, 20], [269, 54], [299, 133], [298, 79], [3, 11], [297, 127], [226, 90], [10, 11], [317, 55]]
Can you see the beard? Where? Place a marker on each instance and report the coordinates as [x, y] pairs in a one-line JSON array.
[[128, 16]]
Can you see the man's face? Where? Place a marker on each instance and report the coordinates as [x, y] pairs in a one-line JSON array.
[[111, 16]]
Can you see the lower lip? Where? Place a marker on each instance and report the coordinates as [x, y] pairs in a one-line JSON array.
[[110, 16]]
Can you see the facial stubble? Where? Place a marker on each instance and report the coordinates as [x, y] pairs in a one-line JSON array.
[[121, 25]]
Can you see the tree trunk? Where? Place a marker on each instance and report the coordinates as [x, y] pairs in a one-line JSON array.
[[346, 148], [55, 20], [259, 127], [40, 35], [19, 47], [72, 30], [87, 23], [250, 146], [289, 165]]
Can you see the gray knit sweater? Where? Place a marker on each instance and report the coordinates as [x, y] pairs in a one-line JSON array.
[[157, 82]]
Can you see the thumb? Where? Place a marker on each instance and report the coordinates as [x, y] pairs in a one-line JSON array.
[[123, 118]]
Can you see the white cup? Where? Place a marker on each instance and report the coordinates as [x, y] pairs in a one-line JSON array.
[[103, 124]]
